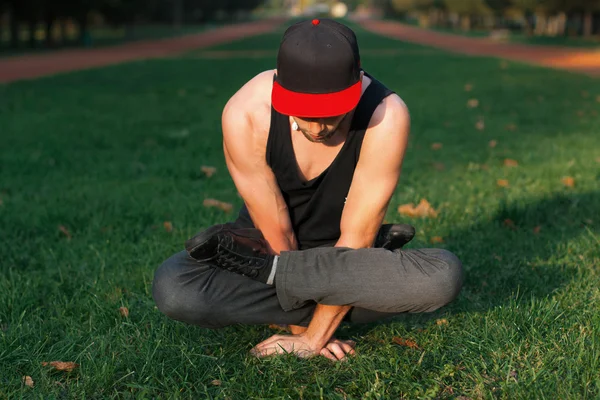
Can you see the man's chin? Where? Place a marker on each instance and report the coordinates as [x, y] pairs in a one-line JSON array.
[[318, 138]]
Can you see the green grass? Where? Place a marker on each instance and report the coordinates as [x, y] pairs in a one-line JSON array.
[[113, 153]]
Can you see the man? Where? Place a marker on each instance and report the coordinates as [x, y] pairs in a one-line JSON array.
[[315, 149]]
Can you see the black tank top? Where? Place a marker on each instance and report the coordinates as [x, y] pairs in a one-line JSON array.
[[316, 206]]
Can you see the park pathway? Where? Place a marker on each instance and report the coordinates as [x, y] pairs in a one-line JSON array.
[[585, 61], [38, 65]]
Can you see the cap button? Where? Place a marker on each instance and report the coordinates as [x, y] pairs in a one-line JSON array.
[[315, 22]]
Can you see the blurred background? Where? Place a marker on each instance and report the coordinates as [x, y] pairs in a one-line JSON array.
[[45, 24]]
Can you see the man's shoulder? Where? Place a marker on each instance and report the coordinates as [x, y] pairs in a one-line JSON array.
[[254, 93], [391, 111], [252, 100], [246, 116], [388, 130]]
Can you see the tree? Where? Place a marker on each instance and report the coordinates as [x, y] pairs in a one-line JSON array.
[[467, 9], [587, 7]]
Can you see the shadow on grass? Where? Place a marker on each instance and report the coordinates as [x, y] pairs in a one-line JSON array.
[[530, 249]]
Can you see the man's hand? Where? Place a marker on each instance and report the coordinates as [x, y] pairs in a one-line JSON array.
[[301, 345]]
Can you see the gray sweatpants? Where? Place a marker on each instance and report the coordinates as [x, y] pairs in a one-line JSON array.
[[378, 283]]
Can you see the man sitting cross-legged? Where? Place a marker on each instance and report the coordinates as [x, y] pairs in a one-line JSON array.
[[315, 149]]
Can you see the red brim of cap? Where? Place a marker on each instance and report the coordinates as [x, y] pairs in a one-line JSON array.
[[309, 105]]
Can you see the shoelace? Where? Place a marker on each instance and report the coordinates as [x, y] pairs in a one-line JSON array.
[[234, 262]]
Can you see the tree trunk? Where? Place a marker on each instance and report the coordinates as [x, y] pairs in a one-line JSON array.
[[465, 23], [177, 14], [49, 31], [540, 24], [14, 29], [63, 31], [32, 27], [82, 21], [588, 19]]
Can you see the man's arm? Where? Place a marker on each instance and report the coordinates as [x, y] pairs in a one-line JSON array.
[[244, 145], [374, 182]]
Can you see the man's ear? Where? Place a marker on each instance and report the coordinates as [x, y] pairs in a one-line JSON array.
[[362, 73]]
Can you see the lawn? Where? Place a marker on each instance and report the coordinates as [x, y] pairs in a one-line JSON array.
[[97, 166]]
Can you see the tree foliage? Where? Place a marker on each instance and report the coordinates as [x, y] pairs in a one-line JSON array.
[[115, 12]]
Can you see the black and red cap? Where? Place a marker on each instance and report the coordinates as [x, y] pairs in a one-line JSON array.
[[318, 70]]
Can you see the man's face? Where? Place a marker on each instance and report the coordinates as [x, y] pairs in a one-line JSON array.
[[320, 129]]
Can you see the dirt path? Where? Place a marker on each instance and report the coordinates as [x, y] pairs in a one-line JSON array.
[[585, 61], [37, 65]]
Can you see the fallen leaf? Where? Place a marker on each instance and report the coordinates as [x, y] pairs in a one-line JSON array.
[[598, 98], [484, 167], [503, 64], [463, 398], [598, 160], [510, 163], [208, 171], [278, 327], [227, 207], [423, 209], [580, 113], [585, 94], [437, 239], [493, 143], [436, 146], [502, 182], [509, 223], [168, 226], [537, 229], [497, 257], [568, 181], [439, 166], [65, 231], [448, 124], [216, 382], [513, 374], [588, 221], [124, 311], [480, 125], [62, 365], [448, 389], [511, 127], [442, 321], [28, 381], [405, 342], [469, 87], [473, 103]]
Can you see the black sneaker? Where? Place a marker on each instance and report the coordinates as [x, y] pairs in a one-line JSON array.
[[242, 252], [394, 236]]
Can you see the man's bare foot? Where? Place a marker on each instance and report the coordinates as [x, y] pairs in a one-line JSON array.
[[297, 329]]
